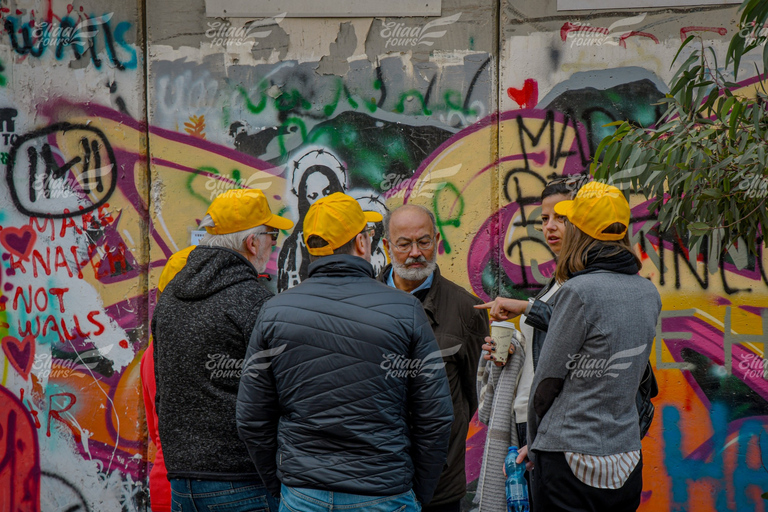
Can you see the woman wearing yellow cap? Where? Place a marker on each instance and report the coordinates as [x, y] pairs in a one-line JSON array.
[[583, 429], [504, 391]]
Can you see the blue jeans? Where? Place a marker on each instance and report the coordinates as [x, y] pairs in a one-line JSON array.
[[189, 495], [297, 499]]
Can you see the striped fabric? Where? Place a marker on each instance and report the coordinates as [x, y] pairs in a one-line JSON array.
[[606, 472], [496, 391]]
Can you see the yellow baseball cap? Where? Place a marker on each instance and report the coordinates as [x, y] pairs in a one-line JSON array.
[[336, 219], [596, 207], [175, 263], [241, 209]]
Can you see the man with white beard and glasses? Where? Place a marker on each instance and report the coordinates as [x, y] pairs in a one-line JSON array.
[[411, 238]]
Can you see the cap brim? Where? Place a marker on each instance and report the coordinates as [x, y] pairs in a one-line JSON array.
[[373, 217], [279, 222], [564, 208]]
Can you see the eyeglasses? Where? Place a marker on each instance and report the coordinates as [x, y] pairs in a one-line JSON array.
[[424, 243], [369, 230], [273, 234]]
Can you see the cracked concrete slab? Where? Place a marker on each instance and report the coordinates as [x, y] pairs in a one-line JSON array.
[[344, 47]]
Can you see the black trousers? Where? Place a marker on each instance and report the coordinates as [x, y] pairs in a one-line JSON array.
[[556, 488], [447, 507]]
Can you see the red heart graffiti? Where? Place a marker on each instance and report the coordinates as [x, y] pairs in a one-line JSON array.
[[21, 354], [19, 241], [526, 97]]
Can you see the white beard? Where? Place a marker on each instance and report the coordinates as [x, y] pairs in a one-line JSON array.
[[414, 274]]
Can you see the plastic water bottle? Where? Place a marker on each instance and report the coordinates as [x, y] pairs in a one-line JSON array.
[[517, 488]]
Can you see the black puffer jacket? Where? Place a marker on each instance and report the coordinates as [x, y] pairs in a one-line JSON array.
[[201, 327], [336, 404]]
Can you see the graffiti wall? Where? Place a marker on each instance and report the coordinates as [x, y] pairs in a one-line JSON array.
[[706, 448], [73, 306], [118, 127]]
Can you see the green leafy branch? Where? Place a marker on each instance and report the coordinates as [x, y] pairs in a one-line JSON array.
[[703, 165]]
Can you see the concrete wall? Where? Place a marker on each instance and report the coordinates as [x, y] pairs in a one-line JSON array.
[[472, 125], [73, 242]]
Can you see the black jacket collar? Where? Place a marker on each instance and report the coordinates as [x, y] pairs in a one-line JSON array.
[[340, 265]]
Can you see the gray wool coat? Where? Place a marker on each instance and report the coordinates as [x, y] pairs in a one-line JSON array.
[[598, 342]]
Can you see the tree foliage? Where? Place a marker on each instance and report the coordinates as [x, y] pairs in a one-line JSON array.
[[704, 164]]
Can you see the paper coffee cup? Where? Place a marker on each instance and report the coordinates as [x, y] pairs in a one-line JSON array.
[[502, 334]]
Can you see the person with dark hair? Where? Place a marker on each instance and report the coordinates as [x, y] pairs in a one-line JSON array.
[[504, 389], [583, 428], [336, 405]]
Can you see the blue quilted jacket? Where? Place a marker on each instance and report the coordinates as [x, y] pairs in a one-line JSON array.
[[343, 387]]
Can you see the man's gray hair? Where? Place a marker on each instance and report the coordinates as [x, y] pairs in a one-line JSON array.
[[234, 241], [388, 217]]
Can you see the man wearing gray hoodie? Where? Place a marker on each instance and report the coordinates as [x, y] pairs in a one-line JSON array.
[[201, 327]]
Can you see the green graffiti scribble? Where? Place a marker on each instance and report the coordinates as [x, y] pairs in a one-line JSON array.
[[191, 178], [450, 104], [232, 181], [453, 221], [288, 122], [288, 101], [371, 105], [225, 115], [255, 109], [413, 93], [331, 107], [453, 103], [295, 102], [350, 100], [397, 150], [326, 135], [3, 158]]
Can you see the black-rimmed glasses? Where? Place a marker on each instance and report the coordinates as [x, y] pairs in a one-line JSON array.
[[424, 243]]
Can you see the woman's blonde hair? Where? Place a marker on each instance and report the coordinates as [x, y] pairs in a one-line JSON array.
[[577, 244]]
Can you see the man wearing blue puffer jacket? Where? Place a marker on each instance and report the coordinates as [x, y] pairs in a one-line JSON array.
[[344, 402]]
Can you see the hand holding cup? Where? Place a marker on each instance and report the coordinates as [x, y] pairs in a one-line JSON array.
[[499, 345]]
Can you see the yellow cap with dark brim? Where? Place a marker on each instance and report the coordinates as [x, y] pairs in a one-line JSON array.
[[336, 219], [596, 207]]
